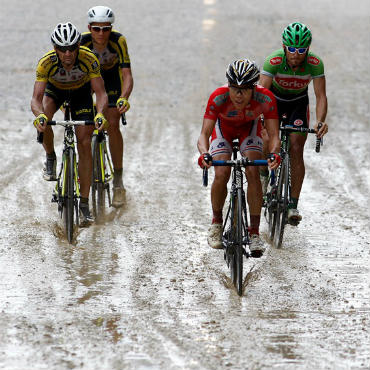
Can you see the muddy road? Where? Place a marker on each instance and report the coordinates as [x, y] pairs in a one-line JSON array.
[[144, 291]]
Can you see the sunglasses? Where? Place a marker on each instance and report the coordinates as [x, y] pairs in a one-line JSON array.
[[292, 50], [101, 28], [243, 89], [64, 49]]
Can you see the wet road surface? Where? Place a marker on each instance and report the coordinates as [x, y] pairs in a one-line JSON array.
[[144, 291]]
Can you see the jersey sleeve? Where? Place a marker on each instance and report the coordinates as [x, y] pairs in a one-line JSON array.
[[91, 62], [119, 43], [44, 66], [272, 63], [316, 65], [215, 101], [270, 106]]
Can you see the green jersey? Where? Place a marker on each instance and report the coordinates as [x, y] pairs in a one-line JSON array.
[[287, 83]]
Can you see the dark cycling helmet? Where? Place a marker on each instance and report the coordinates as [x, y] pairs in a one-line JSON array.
[[243, 72], [297, 35], [65, 34]]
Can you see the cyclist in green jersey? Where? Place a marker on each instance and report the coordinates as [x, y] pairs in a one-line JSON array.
[[110, 47], [287, 73]]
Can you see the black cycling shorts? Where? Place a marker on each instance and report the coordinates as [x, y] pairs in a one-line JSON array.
[[81, 101], [113, 83], [297, 111]]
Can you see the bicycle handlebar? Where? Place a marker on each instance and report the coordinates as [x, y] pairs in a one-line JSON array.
[[244, 162], [319, 141], [71, 123], [40, 135], [123, 115]]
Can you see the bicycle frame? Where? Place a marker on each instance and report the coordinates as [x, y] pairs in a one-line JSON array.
[[67, 190], [235, 235], [279, 196]]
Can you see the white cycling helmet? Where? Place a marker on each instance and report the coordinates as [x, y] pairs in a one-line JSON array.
[[65, 34], [100, 14]]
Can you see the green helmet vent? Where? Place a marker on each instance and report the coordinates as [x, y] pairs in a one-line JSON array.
[[298, 35]]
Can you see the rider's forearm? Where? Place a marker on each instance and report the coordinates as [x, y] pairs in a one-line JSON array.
[[274, 145], [321, 108], [36, 107], [127, 86], [203, 144], [101, 102]]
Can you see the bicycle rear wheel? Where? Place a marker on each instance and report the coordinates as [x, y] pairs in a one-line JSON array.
[[68, 204], [283, 196], [97, 185]]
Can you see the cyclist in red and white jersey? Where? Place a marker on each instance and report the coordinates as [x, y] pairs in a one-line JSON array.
[[232, 112], [287, 72]]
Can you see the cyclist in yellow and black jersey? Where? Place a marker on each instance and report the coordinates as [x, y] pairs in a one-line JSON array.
[[50, 69], [69, 72], [111, 49]]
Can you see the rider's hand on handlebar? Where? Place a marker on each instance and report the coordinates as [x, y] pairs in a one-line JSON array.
[[321, 129], [205, 160], [123, 105], [100, 122], [273, 161], [40, 122]]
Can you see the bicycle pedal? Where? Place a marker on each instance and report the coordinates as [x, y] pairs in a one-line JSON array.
[[54, 198]]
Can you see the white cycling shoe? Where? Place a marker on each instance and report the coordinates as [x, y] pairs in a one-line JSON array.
[[215, 236], [293, 216], [257, 246]]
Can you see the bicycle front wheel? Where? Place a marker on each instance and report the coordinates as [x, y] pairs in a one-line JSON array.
[[271, 204], [68, 204], [97, 184], [238, 255], [283, 197]]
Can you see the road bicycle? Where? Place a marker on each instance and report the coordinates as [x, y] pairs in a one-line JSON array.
[[235, 235], [278, 195], [67, 191], [103, 172]]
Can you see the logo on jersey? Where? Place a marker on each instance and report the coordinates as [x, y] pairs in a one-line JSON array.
[[232, 113], [292, 83], [298, 122], [313, 60], [220, 99], [276, 61]]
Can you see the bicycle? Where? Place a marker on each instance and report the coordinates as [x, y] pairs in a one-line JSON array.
[[67, 191], [235, 235], [102, 174], [279, 195], [103, 171]]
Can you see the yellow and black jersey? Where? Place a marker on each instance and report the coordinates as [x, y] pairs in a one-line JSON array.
[[50, 69], [115, 53]]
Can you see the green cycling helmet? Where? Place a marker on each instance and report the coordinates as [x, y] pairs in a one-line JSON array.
[[298, 35]]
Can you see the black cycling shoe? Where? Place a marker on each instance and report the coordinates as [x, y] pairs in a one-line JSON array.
[[85, 216], [50, 169]]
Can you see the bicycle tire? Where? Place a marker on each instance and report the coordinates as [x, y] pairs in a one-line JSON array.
[[282, 203], [97, 184], [68, 203], [271, 211], [239, 244], [232, 241]]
